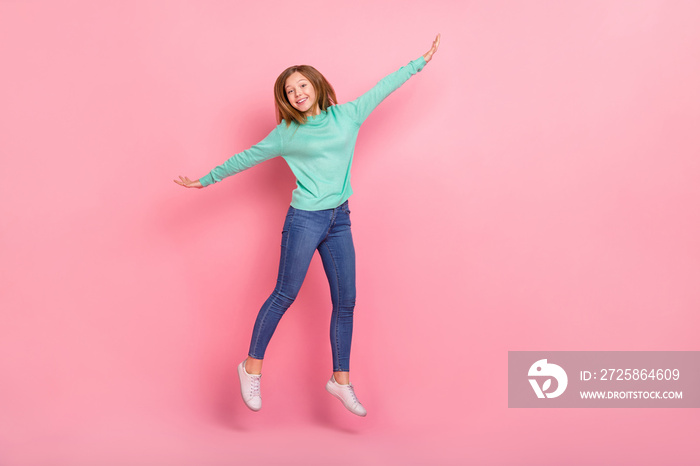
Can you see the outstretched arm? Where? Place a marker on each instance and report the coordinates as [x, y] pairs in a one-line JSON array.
[[360, 108], [264, 150]]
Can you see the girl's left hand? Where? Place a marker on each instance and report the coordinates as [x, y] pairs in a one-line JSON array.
[[433, 49]]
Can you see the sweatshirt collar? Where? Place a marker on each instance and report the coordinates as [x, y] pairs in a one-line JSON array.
[[317, 119]]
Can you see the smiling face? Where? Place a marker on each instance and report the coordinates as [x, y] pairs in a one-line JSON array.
[[301, 91], [301, 94]]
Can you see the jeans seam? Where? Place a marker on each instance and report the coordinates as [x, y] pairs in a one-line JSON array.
[[330, 227], [336, 307]]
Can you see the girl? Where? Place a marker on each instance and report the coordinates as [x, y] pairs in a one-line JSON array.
[[317, 139]]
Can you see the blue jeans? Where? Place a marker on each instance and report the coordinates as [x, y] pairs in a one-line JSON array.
[[304, 232]]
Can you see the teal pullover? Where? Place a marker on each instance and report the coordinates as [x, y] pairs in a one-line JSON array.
[[320, 151]]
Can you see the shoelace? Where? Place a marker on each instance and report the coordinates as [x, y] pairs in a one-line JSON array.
[[255, 386], [352, 393]]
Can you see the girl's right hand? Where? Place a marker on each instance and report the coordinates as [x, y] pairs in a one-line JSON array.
[[188, 183]]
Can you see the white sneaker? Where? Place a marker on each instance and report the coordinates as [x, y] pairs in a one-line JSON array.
[[250, 388], [346, 394]]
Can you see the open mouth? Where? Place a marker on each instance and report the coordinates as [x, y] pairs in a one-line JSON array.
[[299, 102]]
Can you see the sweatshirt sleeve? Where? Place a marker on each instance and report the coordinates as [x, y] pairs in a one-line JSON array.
[[360, 108], [266, 149]]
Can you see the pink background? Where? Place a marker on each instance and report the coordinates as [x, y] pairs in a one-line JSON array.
[[535, 187]]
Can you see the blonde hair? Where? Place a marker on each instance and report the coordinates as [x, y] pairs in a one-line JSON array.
[[325, 95]]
